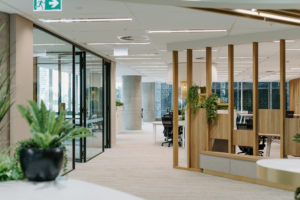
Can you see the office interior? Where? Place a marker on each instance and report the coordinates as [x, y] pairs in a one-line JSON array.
[[128, 80]]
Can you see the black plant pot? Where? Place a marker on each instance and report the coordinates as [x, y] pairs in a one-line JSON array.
[[41, 164]]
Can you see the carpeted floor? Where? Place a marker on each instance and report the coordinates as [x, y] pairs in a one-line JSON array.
[[139, 167]]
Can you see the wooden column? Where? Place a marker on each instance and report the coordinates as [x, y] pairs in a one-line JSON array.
[[189, 80], [282, 99], [208, 89], [230, 97], [255, 98], [175, 109]]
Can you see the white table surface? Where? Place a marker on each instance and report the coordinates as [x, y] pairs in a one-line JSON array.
[[61, 189], [288, 165]]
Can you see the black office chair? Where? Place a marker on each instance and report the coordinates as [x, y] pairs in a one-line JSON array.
[[167, 121], [289, 114]]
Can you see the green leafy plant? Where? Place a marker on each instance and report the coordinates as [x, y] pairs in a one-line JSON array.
[[211, 106], [203, 90], [182, 115], [49, 131], [118, 103], [193, 98], [297, 137], [10, 168], [297, 194]]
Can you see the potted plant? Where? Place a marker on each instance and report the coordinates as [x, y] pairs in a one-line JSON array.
[[42, 156]]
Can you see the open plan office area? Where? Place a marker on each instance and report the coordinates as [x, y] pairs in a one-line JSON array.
[[149, 99]]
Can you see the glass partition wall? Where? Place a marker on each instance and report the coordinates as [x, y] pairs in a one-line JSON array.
[[72, 78]]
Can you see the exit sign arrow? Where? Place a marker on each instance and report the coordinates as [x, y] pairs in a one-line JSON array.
[[54, 3]]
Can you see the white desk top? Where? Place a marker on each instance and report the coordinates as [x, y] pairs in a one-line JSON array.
[[288, 165], [61, 189], [180, 122]]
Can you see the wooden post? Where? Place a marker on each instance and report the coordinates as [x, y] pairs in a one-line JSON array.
[[189, 81], [230, 97], [175, 109], [255, 98], [208, 89], [282, 100]]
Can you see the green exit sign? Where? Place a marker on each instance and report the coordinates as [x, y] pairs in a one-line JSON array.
[[47, 5]]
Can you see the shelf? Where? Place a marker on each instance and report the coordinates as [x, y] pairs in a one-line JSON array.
[[222, 104]]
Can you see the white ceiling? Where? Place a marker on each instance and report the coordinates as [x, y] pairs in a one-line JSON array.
[[161, 17]]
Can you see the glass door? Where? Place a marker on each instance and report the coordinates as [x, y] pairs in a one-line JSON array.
[[90, 104], [94, 105]]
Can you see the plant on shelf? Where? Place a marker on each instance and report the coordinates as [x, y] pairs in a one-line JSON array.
[[119, 103], [211, 107], [42, 156], [193, 98]]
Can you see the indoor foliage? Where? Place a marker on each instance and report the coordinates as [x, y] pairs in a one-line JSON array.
[[209, 103], [193, 98], [10, 168], [211, 107], [49, 131], [118, 103]]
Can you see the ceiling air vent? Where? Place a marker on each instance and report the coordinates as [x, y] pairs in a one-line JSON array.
[[126, 38]]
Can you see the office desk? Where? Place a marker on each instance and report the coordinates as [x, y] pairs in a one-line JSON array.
[[159, 123], [62, 188]]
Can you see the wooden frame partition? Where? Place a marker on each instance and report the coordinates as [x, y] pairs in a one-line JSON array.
[[265, 122], [255, 99], [175, 109], [230, 97], [209, 91], [189, 80], [282, 99]]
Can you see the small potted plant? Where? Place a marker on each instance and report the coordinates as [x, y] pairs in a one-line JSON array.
[[42, 156]]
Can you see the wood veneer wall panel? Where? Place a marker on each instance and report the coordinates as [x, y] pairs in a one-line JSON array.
[[294, 95], [220, 128], [291, 129], [243, 137], [269, 121]]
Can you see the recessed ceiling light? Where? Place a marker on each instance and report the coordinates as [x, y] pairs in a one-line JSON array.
[[85, 20], [49, 44], [118, 43], [189, 31]]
